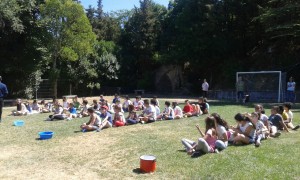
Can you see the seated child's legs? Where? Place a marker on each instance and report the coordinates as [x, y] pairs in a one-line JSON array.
[[273, 130], [177, 117], [119, 123], [132, 121], [290, 125]]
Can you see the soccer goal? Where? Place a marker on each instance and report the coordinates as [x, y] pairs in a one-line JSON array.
[[263, 85]]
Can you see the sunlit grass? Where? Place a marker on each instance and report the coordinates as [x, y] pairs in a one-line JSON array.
[[115, 152]]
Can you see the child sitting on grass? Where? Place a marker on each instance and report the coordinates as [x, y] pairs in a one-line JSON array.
[[205, 144], [76, 102], [260, 128], [97, 122], [276, 122], [203, 105], [289, 120], [168, 113], [187, 109], [196, 110], [149, 113], [138, 103], [65, 104], [45, 107], [58, 112], [35, 107], [221, 128], [72, 112], [177, 111], [244, 133], [94, 122], [21, 109], [84, 110], [132, 118], [153, 102], [126, 103], [119, 119]]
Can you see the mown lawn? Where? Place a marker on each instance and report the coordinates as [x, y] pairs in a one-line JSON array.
[[114, 153]]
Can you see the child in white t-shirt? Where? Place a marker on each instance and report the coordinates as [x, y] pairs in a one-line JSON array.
[[289, 122], [177, 111], [260, 128]]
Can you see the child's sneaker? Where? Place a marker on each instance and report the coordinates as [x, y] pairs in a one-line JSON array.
[[217, 151], [277, 134], [143, 122], [69, 119], [257, 144], [296, 127], [98, 130], [83, 130]]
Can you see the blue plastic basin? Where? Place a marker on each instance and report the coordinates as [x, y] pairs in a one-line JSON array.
[[19, 123], [46, 135]]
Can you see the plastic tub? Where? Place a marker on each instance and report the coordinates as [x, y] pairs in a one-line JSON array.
[[18, 123], [147, 163], [46, 134]]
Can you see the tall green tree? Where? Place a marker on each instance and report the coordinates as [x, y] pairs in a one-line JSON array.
[[141, 43], [69, 33], [280, 44], [20, 43]]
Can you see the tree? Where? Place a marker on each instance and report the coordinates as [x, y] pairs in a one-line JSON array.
[[280, 42], [140, 41], [69, 32], [21, 46]]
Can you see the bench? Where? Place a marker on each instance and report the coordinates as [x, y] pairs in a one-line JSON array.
[[139, 91], [69, 96]]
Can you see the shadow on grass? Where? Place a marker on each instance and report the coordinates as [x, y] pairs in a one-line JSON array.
[[39, 139], [137, 171], [78, 131], [181, 150], [195, 154]]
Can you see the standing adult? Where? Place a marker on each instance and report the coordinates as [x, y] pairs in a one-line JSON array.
[[3, 93], [205, 87], [240, 88], [291, 87]]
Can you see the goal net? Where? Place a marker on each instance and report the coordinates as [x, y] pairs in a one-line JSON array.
[[263, 85]]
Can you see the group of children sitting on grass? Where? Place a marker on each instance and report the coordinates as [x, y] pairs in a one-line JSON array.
[[251, 128], [139, 111], [100, 111]]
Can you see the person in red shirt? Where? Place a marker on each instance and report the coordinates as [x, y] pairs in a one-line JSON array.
[[188, 109]]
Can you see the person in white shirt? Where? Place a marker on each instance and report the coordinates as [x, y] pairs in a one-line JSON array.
[[205, 87], [138, 103], [221, 128], [289, 122], [21, 109], [126, 103], [177, 111], [157, 110], [149, 113], [291, 87]]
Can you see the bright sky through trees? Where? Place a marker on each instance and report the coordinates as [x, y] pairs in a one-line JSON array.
[[113, 5]]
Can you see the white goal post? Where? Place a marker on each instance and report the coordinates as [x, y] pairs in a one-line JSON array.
[[263, 85]]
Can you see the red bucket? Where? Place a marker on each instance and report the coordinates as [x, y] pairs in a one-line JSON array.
[[147, 163]]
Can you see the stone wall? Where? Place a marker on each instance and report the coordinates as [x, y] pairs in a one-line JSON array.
[[168, 79]]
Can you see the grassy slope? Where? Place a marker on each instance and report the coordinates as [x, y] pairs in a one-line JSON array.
[[114, 153]]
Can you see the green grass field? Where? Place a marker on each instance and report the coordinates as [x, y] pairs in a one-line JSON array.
[[114, 153]]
